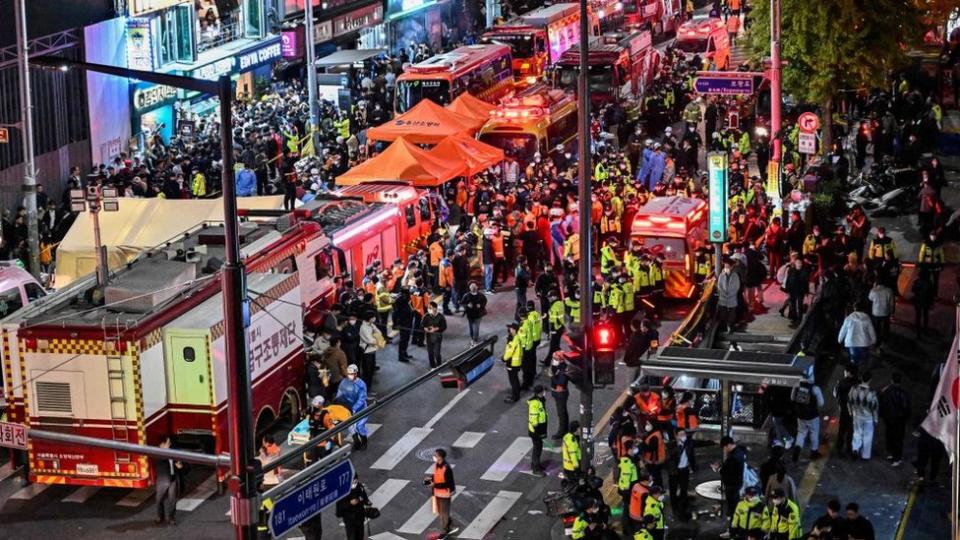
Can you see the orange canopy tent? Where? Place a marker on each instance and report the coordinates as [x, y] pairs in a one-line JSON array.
[[404, 161], [474, 107], [425, 123], [478, 156]]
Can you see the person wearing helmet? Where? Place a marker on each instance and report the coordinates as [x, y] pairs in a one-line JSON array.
[[353, 391]]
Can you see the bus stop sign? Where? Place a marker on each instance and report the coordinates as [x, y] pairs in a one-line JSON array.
[[719, 196], [310, 498]]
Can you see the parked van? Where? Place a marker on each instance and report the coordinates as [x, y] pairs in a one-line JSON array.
[[706, 37]]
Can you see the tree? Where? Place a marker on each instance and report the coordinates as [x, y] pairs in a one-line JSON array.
[[835, 45]]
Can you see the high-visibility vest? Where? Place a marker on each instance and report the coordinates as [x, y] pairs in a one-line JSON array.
[[265, 507], [788, 524], [702, 267], [642, 534], [628, 474], [609, 224], [384, 301], [439, 472], [573, 308], [536, 325], [654, 450], [638, 493], [616, 298], [628, 296], [513, 353], [571, 247], [656, 275], [809, 244], [536, 414], [750, 516], [687, 418], [579, 529], [599, 296], [929, 254], [571, 452], [641, 279], [608, 258], [654, 507], [446, 276], [526, 335], [878, 247], [556, 315]]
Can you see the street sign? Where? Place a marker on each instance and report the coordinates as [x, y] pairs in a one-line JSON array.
[[808, 122], [4, 135], [13, 435], [724, 83], [309, 498], [773, 179], [807, 143], [717, 167]]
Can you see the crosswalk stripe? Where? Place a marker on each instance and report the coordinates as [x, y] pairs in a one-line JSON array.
[[424, 516], [372, 428], [387, 491], [468, 439], [199, 494], [81, 495], [135, 498], [508, 459], [401, 448], [29, 492], [491, 514], [386, 536], [446, 408]]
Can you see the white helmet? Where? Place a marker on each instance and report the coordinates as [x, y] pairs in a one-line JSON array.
[[352, 369], [317, 401]]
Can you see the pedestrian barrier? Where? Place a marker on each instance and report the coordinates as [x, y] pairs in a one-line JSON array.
[[468, 368]]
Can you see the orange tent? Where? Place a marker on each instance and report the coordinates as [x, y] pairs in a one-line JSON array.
[[404, 161], [468, 105], [425, 123], [477, 155]]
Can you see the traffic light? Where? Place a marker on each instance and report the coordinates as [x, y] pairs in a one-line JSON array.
[[604, 350]]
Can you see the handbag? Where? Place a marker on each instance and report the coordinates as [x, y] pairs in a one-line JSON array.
[[371, 512]]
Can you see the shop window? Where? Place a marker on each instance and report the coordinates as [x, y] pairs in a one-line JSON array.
[[219, 21], [253, 19], [175, 36]]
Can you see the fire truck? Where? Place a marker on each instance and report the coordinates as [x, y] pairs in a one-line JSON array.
[[143, 357], [675, 227], [609, 12], [538, 38], [622, 66], [662, 17], [535, 121]]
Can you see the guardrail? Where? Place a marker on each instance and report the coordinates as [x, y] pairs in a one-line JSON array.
[[694, 330]]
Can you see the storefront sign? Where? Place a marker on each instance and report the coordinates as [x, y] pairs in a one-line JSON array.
[[322, 31], [139, 7], [215, 70], [357, 19], [260, 56], [291, 43], [401, 8], [242, 62], [139, 45], [717, 167], [150, 97]]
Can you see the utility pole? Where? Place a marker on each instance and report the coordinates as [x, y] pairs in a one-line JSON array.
[[586, 230], [243, 470], [776, 82], [311, 72], [26, 133]]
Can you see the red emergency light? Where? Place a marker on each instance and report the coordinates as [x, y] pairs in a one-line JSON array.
[[604, 338]]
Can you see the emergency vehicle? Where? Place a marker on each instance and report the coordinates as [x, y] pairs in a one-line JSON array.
[[621, 66], [536, 121], [706, 37], [659, 16], [609, 12], [486, 71], [144, 356], [538, 38], [674, 227], [415, 209]]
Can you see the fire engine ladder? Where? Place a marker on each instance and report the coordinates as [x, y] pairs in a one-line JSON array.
[[118, 404]]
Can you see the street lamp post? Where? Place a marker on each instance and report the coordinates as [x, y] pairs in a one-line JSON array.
[[586, 229], [776, 80], [243, 469], [310, 60], [26, 134]]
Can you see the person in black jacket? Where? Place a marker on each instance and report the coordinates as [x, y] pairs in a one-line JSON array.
[[403, 317], [443, 486], [731, 471], [170, 476], [352, 510], [856, 526], [559, 382], [682, 461], [546, 282], [461, 277], [474, 307], [434, 325], [644, 339]]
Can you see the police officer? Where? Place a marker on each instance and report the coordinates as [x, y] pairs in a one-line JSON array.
[[555, 318], [880, 245], [537, 427], [930, 258], [653, 507], [570, 450], [648, 524], [513, 359], [559, 391], [751, 515], [626, 476], [784, 518], [572, 305], [701, 269]]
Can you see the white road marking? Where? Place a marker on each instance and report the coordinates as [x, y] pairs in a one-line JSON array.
[[491, 514], [81, 495], [199, 494], [424, 516], [446, 408], [401, 448], [135, 498], [386, 536], [372, 428], [387, 491], [29, 492], [468, 439], [509, 459]]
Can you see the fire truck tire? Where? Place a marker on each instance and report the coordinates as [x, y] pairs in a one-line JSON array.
[[290, 407], [265, 421]]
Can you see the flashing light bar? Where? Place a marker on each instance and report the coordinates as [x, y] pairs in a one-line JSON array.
[[340, 240]]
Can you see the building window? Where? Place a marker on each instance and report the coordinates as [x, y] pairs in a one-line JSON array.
[[218, 22]]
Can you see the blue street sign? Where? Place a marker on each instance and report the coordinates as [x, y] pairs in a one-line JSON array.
[[719, 196], [724, 85], [309, 499]]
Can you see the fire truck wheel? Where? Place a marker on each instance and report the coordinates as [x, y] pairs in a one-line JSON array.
[[290, 407], [265, 421]]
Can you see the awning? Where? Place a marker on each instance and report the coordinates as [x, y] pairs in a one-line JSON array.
[[347, 57], [733, 366]]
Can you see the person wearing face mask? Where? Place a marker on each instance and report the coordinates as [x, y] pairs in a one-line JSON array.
[[654, 451], [728, 294], [880, 245], [784, 518], [353, 392], [681, 463], [443, 486], [352, 509], [654, 508], [930, 258], [627, 476], [751, 516], [537, 427], [560, 392], [434, 325]]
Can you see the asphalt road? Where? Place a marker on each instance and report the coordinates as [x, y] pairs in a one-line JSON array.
[[485, 439]]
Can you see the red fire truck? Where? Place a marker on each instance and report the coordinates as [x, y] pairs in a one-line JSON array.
[[675, 227], [144, 356], [538, 38], [659, 16], [621, 66]]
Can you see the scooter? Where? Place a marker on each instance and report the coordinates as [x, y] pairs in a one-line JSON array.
[[893, 203]]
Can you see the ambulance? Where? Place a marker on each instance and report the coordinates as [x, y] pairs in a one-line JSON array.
[[538, 120], [674, 227], [707, 38]]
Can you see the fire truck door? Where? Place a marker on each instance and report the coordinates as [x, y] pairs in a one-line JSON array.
[[188, 370]]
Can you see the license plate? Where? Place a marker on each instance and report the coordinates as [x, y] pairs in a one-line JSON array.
[[87, 469]]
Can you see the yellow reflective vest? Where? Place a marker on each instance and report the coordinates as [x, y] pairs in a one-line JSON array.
[[573, 308], [555, 315], [750, 515], [536, 415], [787, 522], [571, 452], [627, 474], [513, 353]]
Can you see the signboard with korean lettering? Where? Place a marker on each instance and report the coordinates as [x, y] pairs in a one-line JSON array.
[[291, 42], [357, 19], [244, 61], [724, 83], [310, 498], [139, 44], [13, 435], [719, 195], [807, 143]]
